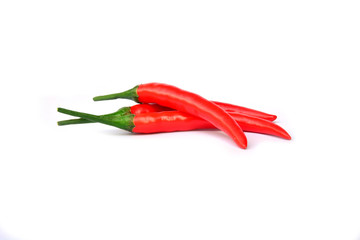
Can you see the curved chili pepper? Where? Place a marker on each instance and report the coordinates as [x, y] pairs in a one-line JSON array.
[[184, 101], [170, 121]]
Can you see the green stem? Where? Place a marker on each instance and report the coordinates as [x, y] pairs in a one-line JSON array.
[[118, 114], [73, 121], [123, 122], [129, 94]]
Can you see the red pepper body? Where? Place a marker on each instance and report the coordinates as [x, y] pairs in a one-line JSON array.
[[168, 121], [184, 101], [171, 121], [230, 108]]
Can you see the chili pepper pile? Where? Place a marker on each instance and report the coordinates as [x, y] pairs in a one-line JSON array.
[[166, 108]]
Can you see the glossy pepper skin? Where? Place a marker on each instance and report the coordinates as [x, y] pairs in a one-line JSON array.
[[184, 101], [171, 121]]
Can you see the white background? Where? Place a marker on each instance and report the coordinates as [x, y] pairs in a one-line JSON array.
[[297, 59]]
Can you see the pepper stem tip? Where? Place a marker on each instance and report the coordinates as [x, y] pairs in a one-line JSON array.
[[129, 94]]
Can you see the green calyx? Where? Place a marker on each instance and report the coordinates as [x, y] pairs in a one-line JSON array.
[[129, 94], [122, 121]]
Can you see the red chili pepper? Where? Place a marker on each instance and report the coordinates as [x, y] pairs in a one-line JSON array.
[[170, 121], [184, 101], [230, 108]]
